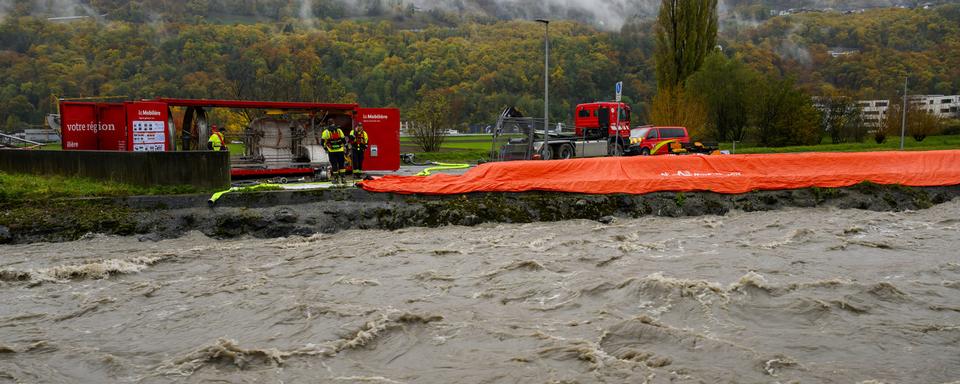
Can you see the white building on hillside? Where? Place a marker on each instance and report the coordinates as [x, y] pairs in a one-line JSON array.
[[947, 107]]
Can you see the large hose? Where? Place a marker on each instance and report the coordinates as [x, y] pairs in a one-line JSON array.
[[442, 166], [255, 187], [251, 188], [409, 160]]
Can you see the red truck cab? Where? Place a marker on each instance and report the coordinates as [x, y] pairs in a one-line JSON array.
[[598, 120]]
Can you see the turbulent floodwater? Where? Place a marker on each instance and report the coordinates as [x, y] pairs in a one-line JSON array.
[[806, 295]]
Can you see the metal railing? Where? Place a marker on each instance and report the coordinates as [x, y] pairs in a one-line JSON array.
[[7, 141]]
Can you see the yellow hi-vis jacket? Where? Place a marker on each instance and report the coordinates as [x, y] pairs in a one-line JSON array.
[[216, 141], [333, 140], [359, 140]]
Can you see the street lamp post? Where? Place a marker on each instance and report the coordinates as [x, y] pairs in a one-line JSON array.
[[903, 113], [546, 81]]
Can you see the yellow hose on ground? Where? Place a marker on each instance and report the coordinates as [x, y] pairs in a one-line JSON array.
[[441, 167], [252, 188]]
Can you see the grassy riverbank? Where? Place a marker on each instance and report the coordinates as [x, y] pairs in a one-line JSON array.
[[17, 187], [929, 144], [472, 148]]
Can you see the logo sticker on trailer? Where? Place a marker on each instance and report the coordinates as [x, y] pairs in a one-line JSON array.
[[148, 126]]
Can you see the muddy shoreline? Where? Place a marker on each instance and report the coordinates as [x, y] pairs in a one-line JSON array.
[[304, 213]]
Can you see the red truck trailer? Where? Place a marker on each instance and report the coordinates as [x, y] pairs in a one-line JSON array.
[[284, 141]]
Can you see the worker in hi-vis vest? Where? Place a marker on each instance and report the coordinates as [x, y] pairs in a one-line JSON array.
[[216, 141], [335, 143], [358, 145]]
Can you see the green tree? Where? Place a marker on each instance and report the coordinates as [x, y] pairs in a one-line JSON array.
[[783, 115], [725, 86], [686, 31]]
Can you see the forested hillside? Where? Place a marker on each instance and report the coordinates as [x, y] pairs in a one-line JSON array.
[[877, 49], [481, 64]]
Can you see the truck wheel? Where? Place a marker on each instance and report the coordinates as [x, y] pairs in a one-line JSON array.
[[546, 153], [645, 152], [565, 152], [614, 149]]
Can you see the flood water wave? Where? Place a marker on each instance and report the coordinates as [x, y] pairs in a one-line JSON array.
[[817, 295]]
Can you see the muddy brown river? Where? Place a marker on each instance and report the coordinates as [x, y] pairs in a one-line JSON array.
[[797, 295]]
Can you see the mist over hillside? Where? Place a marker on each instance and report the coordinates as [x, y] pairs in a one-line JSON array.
[[604, 14]]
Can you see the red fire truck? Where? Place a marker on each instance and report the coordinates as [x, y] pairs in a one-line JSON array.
[[590, 119], [600, 129], [283, 141]]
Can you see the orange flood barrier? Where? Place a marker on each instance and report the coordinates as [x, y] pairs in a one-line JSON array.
[[722, 174]]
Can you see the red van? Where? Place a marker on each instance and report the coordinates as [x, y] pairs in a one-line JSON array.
[[650, 140]]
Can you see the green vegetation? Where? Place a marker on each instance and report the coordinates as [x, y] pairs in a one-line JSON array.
[[463, 156], [478, 142], [17, 187], [394, 54], [680, 199], [893, 143], [727, 87], [472, 148]]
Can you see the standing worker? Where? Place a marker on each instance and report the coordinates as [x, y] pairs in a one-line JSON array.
[[335, 142], [216, 141], [358, 145]]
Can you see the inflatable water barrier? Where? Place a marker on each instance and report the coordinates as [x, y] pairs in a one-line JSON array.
[[722, 174]]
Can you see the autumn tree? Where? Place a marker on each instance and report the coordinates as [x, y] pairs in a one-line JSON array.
[[430, 118], [892, 124], [923, 123], [676, 107], [920, 122]]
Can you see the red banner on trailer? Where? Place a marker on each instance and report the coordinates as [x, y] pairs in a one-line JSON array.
[[78, 126], [112, 130], [383, 127], [93, 126], [148, 126]]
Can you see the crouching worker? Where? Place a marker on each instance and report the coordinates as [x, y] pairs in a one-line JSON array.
[[358, 146], [335, 143]]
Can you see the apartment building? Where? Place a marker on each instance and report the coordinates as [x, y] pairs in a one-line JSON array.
[[947, 107]]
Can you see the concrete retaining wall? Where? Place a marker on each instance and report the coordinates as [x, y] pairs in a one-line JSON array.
[[204, 169]]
